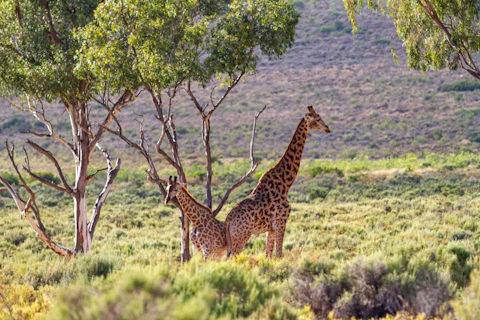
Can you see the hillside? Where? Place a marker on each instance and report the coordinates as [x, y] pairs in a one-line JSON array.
[[373, 106]]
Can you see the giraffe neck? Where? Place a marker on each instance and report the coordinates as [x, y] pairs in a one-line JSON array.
[[194, 210], [287, 167]]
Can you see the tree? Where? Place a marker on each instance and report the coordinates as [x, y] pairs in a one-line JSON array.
[[38, 59], [171, 47], [436, 33]]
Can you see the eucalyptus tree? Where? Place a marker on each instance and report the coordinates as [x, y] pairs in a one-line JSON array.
[[38, 64], [174, 47], [436, 33]]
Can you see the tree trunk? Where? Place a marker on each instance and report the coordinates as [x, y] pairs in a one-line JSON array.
[[185, 243], [83, 241]]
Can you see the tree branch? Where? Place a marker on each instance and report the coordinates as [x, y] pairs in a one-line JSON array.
[[66, 188], [53, 33], [254, 166], [40, 116], [127, 98], [111, 175], [24, 208], [465, 63]]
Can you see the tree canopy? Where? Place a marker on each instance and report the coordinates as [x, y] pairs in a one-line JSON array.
[[436, 33], [38, 48], [162, 43]]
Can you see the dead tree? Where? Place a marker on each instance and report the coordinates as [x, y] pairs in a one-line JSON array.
[[169, 138], [85, 140]]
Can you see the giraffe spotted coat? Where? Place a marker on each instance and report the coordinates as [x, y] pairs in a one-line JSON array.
[[267, 209], [208, 234]]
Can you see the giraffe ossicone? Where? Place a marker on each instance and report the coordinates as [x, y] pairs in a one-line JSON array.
[[267, 209]]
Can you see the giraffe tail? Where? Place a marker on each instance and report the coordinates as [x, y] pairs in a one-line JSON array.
[[229, 239]]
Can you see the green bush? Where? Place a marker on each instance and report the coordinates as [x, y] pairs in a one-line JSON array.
[[317, 193], [463, 85], [10, 178], [371, 288], [467, 307], [197, 291], [319, 170], [381, 42]]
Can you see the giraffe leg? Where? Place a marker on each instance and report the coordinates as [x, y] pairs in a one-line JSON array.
[[239, 242], [279, 235], [270, 243], [279, 227]]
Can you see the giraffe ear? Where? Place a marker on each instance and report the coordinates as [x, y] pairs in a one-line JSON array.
[[311, 111]]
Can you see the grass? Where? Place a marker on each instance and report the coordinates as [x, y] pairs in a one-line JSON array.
[[392, 227]]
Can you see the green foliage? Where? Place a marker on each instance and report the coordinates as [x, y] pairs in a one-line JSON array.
[[370, 288], [404, 227], [49, 176], [463, 85], [15, 124], [433, 32], [317, 193], [467, 307], [198, 291], [10, 178], [38, 47], [381, 42], [202, 40]]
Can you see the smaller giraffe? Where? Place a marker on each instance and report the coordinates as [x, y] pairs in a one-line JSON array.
[[208, 234]]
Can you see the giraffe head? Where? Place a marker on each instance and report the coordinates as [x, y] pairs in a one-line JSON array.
[[172, 188], [314, 122]]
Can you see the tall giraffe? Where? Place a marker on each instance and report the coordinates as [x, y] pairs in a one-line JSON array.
[[208, 234], [266, 209]]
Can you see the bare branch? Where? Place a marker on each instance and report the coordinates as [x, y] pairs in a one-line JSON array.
[[111, 174], [233, 187], [152, 172], [225, 94], [194, 99], [24, 208], [39, 114], [50, 157], [127, 98], [91, 176], [254, 166], [252, 141]]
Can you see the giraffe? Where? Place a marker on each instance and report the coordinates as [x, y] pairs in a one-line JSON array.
[[266, 209], [208, 234]]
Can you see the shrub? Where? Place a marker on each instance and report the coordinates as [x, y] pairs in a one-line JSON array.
[[381, 42], [463, 85], [317, 193], [197, 291], [467, 306], [95, 265], [371, 288], [10, 178], [49, 176], [457, 261], [437, 134], [319, 170]]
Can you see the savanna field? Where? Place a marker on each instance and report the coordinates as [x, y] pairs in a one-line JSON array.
[[385, 209]]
